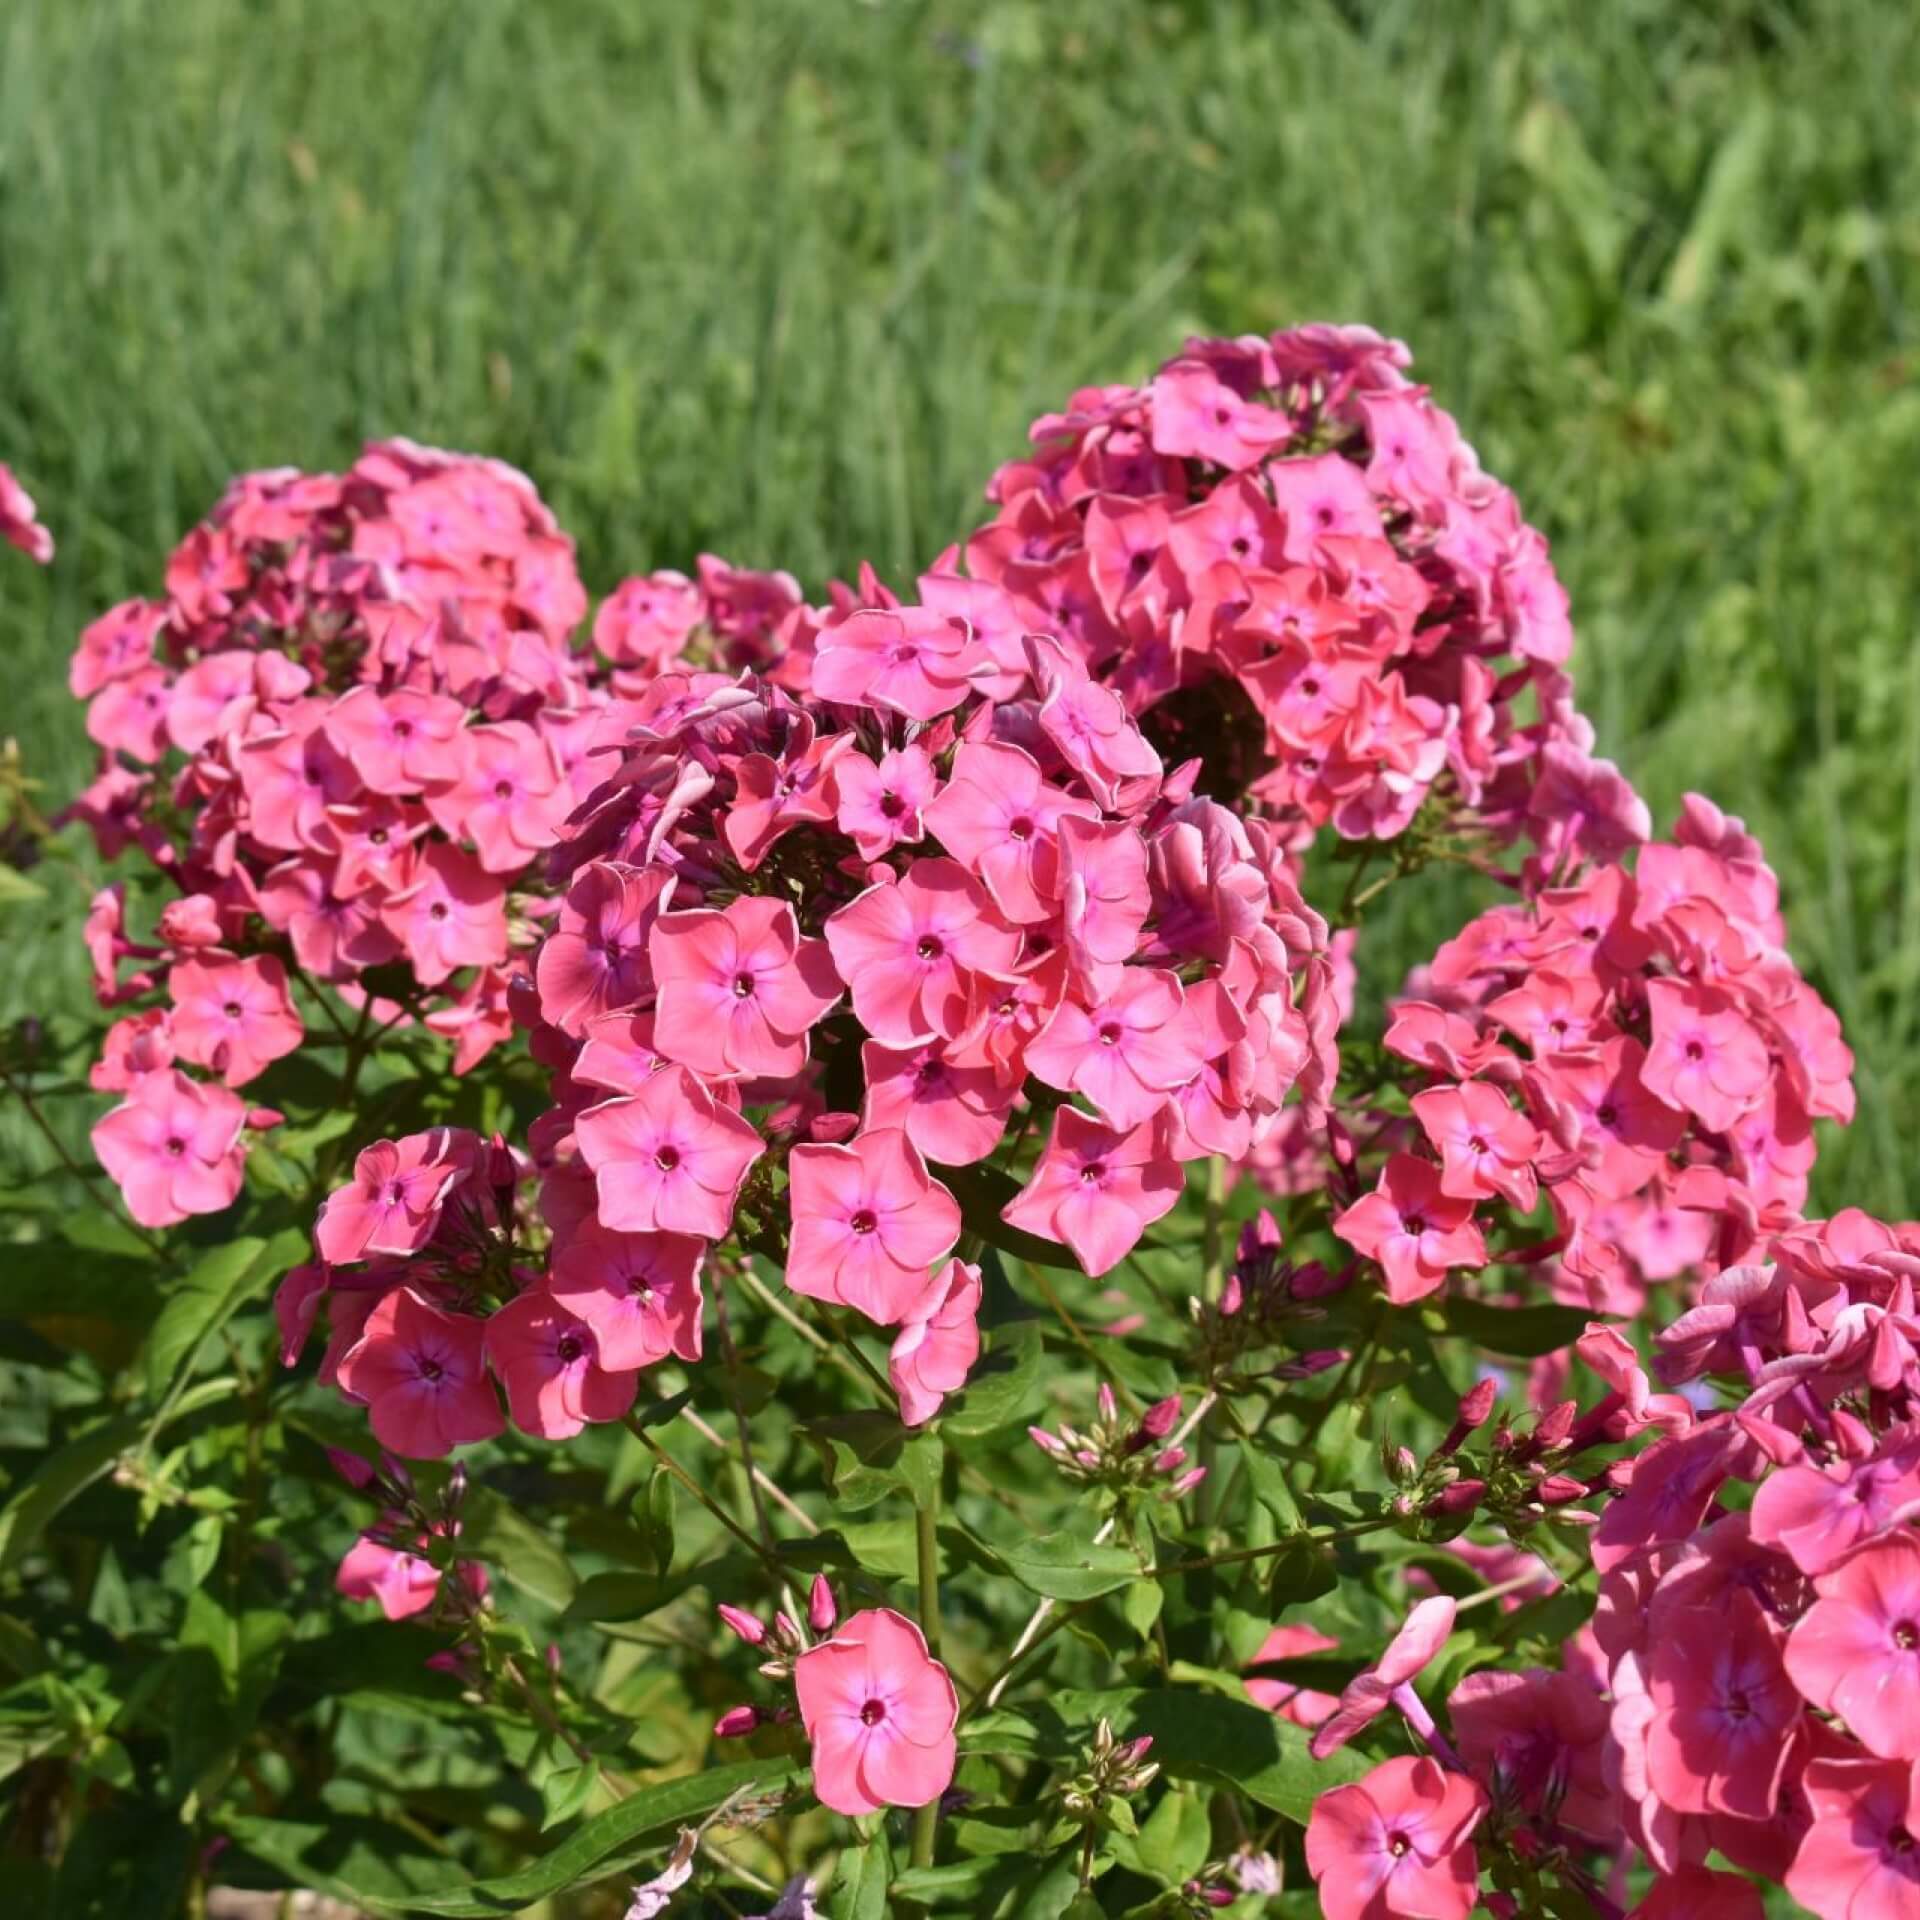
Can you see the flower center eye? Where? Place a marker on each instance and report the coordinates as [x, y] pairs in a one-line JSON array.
[[1020, 829], [378, 837], [667, 1158], [569, 1348], [1738, 1705], [1906, 1636], [438, 911], [1110, 1035], [432, 1371], [1899, 1840], [873, 1713], [892, 805], [928, 948], [403, 729], [1477, 1145], [905, 656], [742, 985], [1399, 1845], [175, 1148], [863, 1221], [1310, 688], [1606, 1115], [232, 1009], [1092, 1174], [1695, 1051], [503, 789], [1415, 1224]]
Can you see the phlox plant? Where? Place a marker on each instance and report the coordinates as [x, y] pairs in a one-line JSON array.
[[757, 1257]]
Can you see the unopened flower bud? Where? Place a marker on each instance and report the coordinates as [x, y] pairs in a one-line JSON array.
[[786, 1630], [1168, 1459], [553, 1658], [1476, 1409], [736, 1723], [1552, 1428], [351, 1468], [1232, 1297], [751, 1630], [1308, 1364], [1558, 1489], [1462, 1497], [1161, 1418], [1109, 1406], [1045, 1441], [1186, 1483], [821, 1611]]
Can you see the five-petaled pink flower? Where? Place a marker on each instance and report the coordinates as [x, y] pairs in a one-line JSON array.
[[934, 1351], [879, 1712], [1125, 1053], [422, 1375], [910, 660], [1413, 1229], [392, 1204], [234, 1016], [551, 1366], [880, 806], [1707, 1057], [911, 952], [1397, 1845], [1001, 819], [667, 1158], [639, 1292], [739, 990], [172, 1147], [869, 1221], [1097, 1189], [1856, 1650], [1860, 1859]]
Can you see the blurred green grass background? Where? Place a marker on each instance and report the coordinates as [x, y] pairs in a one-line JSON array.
[[785, 281]]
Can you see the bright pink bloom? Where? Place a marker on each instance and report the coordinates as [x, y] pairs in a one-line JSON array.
[[399, 742], [333, 937], [1368, 1694], [596, 958], [908, 660], [1195, 413], [116, 643], [234, 1016], [173, 1147], [1105, 894], [879, 1711], [1397, 1845], [452, 914], [1707, 1058], [739, 990], [1543, 1735], [1413, 1229], [911, 952], [1485, 1146], [934, 1352], [1860, 1859], [645, 621], [1302, 1705], [881, 806], [552, 1369], [19, 521], [1001, 820], [952, 1103], [141, 1043], [1096, 735], [421, 1373], [869, 1221], [392, 1205], [129, 714], [1097, 1189], [403, 1583], [1856, 1650], [667, 1158], [1818, 1516], [1127, 1053], [639, 1292], [510, 799], [1724, 1710]]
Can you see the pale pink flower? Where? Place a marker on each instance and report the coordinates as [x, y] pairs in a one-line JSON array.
[[1397, 1845], [645, 621], [881, 806], [1301, 1705], [1001, 820], [596, 957], [911, 952], [879, 1712], [1543, 1736], [392, 1204], [421, 1374], [510, 799], [1856, 1650], [1707, 1058], [1127, 1052], [667, 1158], [451, 914], [908, 660], [173, 1147], [1414, 1230], [551, 1367], [1817, 1516], [934, 1351], [1860, 1859], [739, 990], [1697, 1893], [639, 1292], [399, 742], [951, 1102], [1485, 1146], [233, 1016], [141, 1043], [869, 1221], [1097, 1189]]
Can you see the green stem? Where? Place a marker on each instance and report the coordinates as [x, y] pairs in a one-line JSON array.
[[693, 1486], [927, 1539], [1077, 1335], [1213, 1282]]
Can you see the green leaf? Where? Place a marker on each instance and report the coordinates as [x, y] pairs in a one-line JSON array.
[[632, 1596], [983, 1191], [604, 1838], [858, 1890], [1141, 1603], [16, 890], [495, 1532], [222, 1283], [1305, 1571], [1003, 1390], [565, 1790], [869, 1455], [1174, 1842], [653, 1519], [885, 1548], [1064, 1567], [1524, 1332], [1269, 1484], [223, 1669]]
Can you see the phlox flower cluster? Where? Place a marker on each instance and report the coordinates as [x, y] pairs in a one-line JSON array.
[[1282, 555]]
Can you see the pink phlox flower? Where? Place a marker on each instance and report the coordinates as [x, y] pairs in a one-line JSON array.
[[334, 937], [235, 1017], [1397, 1845], [141, 1043], [421, 1373], [739, 990], [869, 1222], [451, 914], [639, 1292], [403, 1583], [952, 1102], [1698, 1893], [173, 1147], [551, 1366], [1195, 415], [20, 522], [1369, 1693], [934, 1351], [667, 1158], [912, 952], [510, 799], [1319, 497], [1485, 1146], [879, 1712], [1301, 1705], [1542, 1735], [883, 806], [1707, 1058], [1105, 896], [773, 796], [368, 842], [1091, 729], [1668, 1491], [1127, 1052], [646, 621], [1001, 819], [596, 958], [394, 1200], [119, 642], [1097, 1189], [908, 660], [1414, 1230], [1856, 1651], [129, 714], [1860, 1859], [400, 742], [1440, 1040], [618, 1053], [1818, 1515]]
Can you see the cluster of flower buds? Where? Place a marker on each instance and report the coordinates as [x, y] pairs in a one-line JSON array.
[[1266, 1303], [1113, 1770], [407, 1561], [1124, 1457]]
